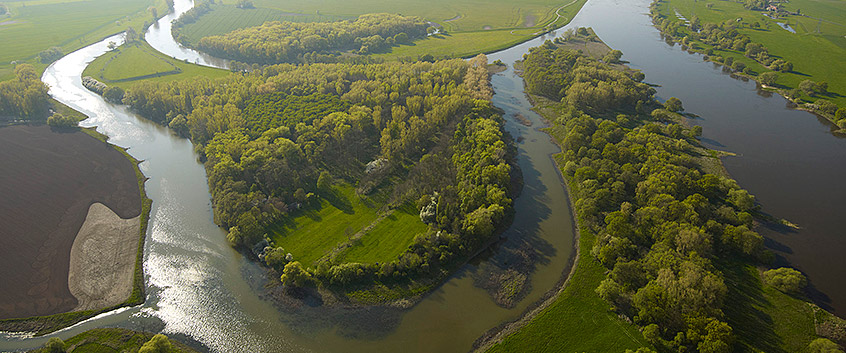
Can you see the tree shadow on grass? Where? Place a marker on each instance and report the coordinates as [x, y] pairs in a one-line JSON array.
[[743, 309], [338, 200]]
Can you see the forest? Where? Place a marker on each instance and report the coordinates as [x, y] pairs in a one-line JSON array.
[[296, 42], [25, 96], [662, 222], [276, 140]]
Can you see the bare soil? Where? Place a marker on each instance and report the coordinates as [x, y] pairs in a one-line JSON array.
[[48, 180], [103, 259]]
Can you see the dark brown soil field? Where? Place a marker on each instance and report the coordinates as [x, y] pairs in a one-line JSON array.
[[48, 180]]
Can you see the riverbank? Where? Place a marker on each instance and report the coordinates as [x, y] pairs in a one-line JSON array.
[[811, 56], [790, 337], [77, 149]]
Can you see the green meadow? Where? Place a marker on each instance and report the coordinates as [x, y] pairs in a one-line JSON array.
[[817, 49], [471, 27], [33, 26], [227, 18], [388, 239], [315, 233], [139, 61]]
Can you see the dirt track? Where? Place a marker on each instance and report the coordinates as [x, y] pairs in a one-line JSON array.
[[48, 180]]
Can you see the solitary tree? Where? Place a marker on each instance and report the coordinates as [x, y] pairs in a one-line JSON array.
[[785, 279], [768, 78]]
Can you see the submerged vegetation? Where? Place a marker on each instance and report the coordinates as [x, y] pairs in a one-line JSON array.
[[347, 146]]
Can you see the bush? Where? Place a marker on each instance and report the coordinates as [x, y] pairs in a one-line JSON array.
[[61, 121], [738, 66], [158, 344], [822, 345], [840, 114], [673, 104], [827, 106], [55, 345], [786, 280], [113, 94], [50, 55]]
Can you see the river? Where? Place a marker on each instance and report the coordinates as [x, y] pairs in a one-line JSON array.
[[790, 160], [199, 289]]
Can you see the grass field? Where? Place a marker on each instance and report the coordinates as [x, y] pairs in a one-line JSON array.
[[314, 233], [816, 56], [388, 239], [227, 18], [34, 26], [579, 320], [472, 27], [133, 62]]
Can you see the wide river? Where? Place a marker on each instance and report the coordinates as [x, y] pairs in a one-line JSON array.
[[200, 290]]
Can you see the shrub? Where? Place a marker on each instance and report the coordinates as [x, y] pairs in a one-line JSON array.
[[55, 345], [50, 55], [822, 345], [113, 94], [840, 114], [673, 104], [158, 344], [827, 106], [61, 121], [786, 280]]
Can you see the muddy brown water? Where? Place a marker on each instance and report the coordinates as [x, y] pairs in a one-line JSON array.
[[200, 289]]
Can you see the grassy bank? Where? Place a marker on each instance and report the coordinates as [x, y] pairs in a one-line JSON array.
[[817, 50], [107, 340], [134, 62], [32, 27], [762, 318]]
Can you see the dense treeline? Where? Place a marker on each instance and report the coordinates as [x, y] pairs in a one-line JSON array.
[[274, 138], [280, 42], [661, 220], [25, 96]]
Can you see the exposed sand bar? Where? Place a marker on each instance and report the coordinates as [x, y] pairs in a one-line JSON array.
[[102, 259]]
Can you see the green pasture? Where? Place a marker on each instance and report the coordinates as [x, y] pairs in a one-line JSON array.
[[227, 18], [136, 61], [388, 239], [815, 56], [34, 26], [472, 27], [315, 232], [579, 320]]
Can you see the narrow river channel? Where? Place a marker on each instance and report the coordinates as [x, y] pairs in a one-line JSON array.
[[199, 289]]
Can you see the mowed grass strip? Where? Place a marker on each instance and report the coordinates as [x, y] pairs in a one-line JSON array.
[[227, 18], [388, 239], [140, 61], [315, 232], [37, 25], [815, 56]]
